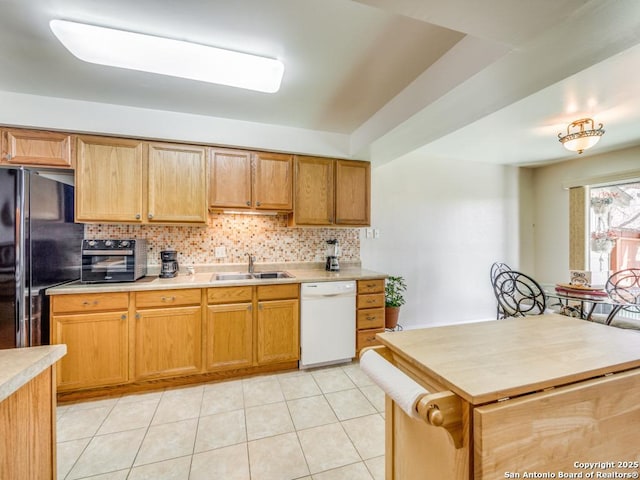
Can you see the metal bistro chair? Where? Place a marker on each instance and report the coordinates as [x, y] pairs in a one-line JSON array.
[[518, 295], [623, 288], [496, 269]]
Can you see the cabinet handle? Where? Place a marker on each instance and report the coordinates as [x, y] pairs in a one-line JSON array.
[[371, 317], [250, 307], [257, 204], [150, 215], [123, 317], [371, 285], [371, 301], [168, 299], [138, 216], [137, 316], [8, 156], [260, 306], [248, 203], [87, 303], [370, 339]]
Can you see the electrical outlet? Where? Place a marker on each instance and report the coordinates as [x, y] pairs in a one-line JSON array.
[[376, 233], [220, 252], [368, 233]]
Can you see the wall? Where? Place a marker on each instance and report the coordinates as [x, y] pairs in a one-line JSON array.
[[265, 236], [23, 110], [552, 205], [442, 224]]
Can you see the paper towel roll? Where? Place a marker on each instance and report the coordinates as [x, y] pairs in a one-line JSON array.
[[402, 389]]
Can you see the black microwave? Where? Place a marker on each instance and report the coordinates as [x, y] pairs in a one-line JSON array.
[[107, 261]]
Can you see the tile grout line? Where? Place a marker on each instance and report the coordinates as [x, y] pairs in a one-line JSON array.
[[133, 462], [89, 442]]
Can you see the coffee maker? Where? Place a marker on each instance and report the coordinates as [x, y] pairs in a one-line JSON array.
[[169, 267], [333, 252]]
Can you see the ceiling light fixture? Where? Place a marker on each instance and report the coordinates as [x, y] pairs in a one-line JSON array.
[[579, 141], [135, 51]]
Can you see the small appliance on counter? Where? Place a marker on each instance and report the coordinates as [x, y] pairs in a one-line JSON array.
[[170, 266], [110, 261], [333, 252]]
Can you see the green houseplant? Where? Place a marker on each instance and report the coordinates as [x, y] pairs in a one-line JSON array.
[[393, 299]]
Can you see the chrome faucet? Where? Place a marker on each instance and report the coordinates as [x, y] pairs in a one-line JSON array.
[[251, 260]]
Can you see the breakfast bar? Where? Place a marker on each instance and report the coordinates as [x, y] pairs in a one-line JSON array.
[[514, 398]]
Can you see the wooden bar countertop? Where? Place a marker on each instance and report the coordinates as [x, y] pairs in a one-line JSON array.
[[487, 361]]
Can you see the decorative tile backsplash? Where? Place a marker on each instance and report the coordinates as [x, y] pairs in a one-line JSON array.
[[265, 236]]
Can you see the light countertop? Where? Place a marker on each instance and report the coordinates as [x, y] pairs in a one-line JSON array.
[[204, 280], [486, 361], [18, 366]]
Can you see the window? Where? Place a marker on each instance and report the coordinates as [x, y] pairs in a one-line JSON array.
[[614, 227]]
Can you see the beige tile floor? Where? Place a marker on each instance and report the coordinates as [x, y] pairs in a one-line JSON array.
[[322, 424]]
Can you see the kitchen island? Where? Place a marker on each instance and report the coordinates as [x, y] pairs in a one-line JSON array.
[[28, 412], [536, 397]]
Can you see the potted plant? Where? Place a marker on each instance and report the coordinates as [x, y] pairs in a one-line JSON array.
[[393, 299]]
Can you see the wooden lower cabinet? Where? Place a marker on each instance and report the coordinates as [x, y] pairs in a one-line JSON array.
[[95, 329], [370, 313], [98, 349], [167, 333], [114, 339], [252, 326], [278, 338], [229, 328]]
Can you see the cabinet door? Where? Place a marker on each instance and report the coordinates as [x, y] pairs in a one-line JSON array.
[[176, 183], [278, 331], [229, 178], [109, 180], [167, 342], [97, 349], [549, 430], [229, 341], [313, 203], [33, 147], [273, 183], [352, 193]]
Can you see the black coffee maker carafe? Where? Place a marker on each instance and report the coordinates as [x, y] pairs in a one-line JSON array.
[[169, 268]]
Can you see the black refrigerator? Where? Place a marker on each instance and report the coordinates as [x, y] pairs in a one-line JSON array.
[[39, 248]]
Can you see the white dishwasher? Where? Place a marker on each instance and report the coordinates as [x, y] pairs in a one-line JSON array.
[[327, 323]]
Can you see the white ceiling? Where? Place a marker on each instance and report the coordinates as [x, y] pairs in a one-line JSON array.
[[493, 81]]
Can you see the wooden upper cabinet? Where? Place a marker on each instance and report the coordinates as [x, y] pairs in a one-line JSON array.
[[36, 148], [176, 183], [314, 191], [109, 186], [273, 181], [241, 179], [353, 180], [229, 178]]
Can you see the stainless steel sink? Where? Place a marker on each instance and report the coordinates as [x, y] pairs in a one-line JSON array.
[[249, 276], [231, 276], [275, 274]]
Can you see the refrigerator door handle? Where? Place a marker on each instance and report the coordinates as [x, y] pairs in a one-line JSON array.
[[22, 314]]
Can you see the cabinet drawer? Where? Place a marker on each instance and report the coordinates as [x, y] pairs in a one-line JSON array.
[[165, 298], [89, 302], [277, 292], [375, 300], [370, 318], [229, 294], [367, 338], [371, 286]]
